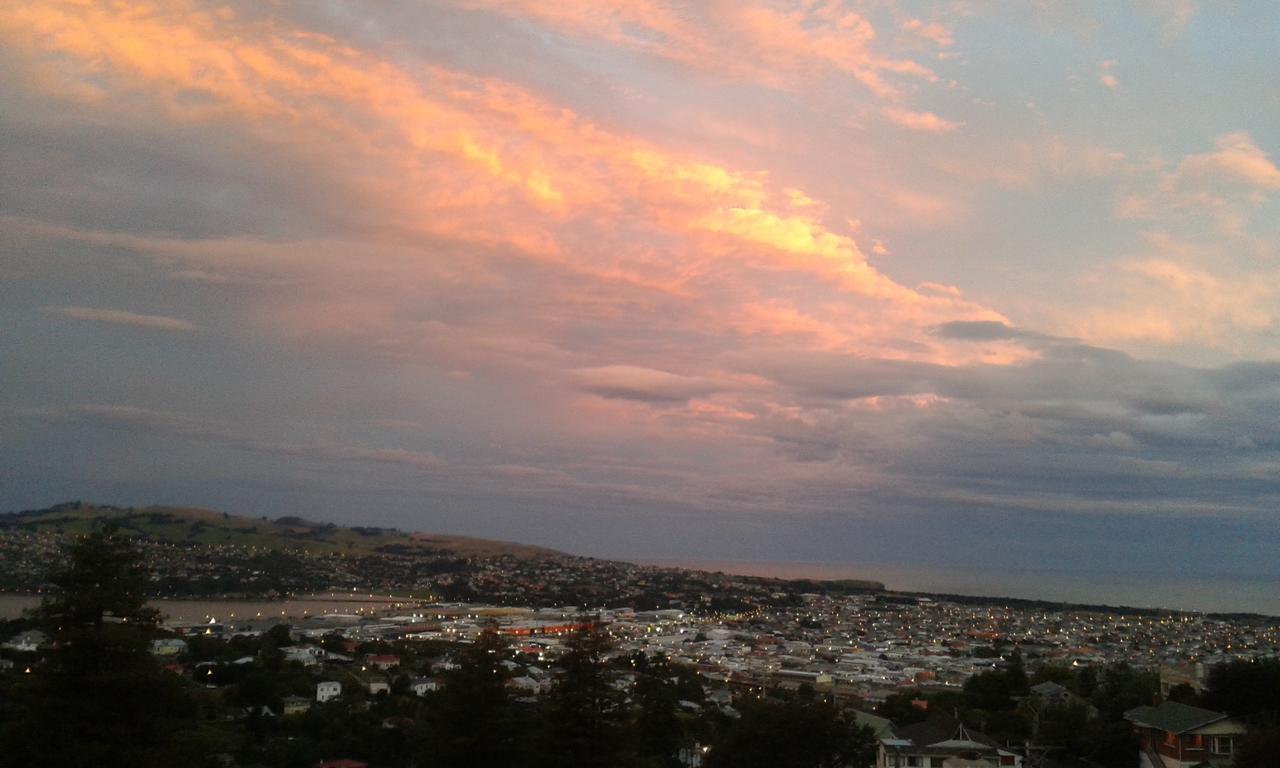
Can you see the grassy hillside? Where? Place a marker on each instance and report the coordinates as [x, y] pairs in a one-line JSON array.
[[203, 526]]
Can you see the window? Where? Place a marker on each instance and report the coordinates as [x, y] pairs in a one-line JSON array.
[[1170, 738], [1194, 741], [913, 761], [1223, 745]]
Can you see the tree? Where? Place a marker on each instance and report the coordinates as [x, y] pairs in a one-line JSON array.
[[1016, 675], [100, 699], [989, 690], [1054, 673], [793, 735], [585, 710], [1261, 748], [476, 722], [1122, 688], [658, 732], [1244, 687], [901, 708]]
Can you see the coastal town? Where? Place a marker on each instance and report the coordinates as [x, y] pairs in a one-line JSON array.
[[859, 648], [896, 664], [859, 652]]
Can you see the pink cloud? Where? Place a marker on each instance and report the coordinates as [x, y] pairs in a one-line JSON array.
[[935, 33], [763, 42], [1236, 161], [926, 122], [123, 318]]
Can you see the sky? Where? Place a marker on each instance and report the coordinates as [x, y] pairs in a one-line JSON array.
[[915, 283]]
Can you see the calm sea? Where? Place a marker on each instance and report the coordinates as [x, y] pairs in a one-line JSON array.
[[1228, 593], [1218, 593]]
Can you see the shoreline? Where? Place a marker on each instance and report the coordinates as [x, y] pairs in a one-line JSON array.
[[1255, 595]]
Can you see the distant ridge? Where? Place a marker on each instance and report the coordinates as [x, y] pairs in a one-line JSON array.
[[200, 552], [193, 525]]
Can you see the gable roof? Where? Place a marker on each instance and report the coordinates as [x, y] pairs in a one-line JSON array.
[[1048, 688], [940, 729], [1173, 717], [882, 726]]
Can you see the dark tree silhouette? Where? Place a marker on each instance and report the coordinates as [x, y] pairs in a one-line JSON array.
[[793, 735], [99, 699], [478, 723], [585, 711]]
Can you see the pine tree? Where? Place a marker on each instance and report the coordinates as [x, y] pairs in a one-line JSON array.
[[586, 712], [478, 724], [99, 698]]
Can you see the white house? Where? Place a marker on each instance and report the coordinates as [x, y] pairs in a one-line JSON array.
[[945, 742], [168, 646], [28, 641], [421, 686], [525, 684], [329, 689], [310, 655]]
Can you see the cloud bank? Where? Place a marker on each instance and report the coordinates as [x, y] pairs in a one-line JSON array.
[[801, 280]]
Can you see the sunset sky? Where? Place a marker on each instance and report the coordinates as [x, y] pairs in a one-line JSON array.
[[880, 282]]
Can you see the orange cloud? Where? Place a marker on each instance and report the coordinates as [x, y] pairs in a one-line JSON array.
[[455, 183]]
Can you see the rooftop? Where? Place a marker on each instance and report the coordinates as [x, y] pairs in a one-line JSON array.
[[1173, 717]]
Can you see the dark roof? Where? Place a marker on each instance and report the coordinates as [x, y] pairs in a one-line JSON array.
[[1048, 687], [882, 726], [938, 728], [1174, 717]]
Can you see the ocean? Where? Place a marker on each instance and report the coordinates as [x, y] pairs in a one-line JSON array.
[[1220, 593]]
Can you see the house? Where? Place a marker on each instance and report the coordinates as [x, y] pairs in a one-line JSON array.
[[1192, 675], [28, 642], [942, 742], [421, 686], [1173, 735], [257, 711], [378, 686], [168, 646], [384, 662], [525, 685], [296, 705], [308, 655], [882, 726], [327, 690], [1051, 693]]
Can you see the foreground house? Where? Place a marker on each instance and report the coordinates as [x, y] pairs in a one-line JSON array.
[[28, 642], [328, 690], [942, 742], [1173, 735]]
